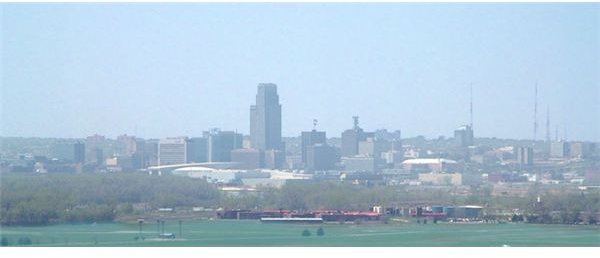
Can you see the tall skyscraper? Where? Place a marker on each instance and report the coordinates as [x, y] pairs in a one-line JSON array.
[[265, 119]]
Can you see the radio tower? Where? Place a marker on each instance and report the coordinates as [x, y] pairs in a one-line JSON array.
[[535, 125], [548, 124], [471, 105]]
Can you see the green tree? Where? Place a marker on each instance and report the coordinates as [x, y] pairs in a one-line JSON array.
[[320, 231]]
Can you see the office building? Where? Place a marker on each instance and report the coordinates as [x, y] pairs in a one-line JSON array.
[[464, 136], [95, 148], [559, 149], [309, 139], [172, 151], [197, 150], [359, 164], [139, 159], [430, 165], [127, 145], [71, 152], [524, 156], [441, 178], [248, 158], [265, 119], [274, 159], [221, 143], [581, 150], [151, 152], [320, 157], [373, 147], [351, 138]]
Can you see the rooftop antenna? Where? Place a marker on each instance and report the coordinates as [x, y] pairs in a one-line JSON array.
[[471, 105], [234, 140], [355, 118], [315, 122], [548, 124], [535, 125]]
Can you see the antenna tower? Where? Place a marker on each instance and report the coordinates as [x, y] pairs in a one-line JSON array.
[[535, 125], [471, 106], [548, 124]]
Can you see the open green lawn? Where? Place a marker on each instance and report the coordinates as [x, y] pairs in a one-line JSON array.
[[255, 233]]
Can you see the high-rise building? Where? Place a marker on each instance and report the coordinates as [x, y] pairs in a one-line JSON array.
[[464, 136], [221, 143], [172, 151], [95, 148], [525, 156], [309, 139], [79, 152], [373, 147], [265, 119], [581, 149], [197, 150], [274, 159], [248, 158], [320, 156], [351, 138], [151, 152], [559, 149], [127, 145], [138, 157], [73, 152]]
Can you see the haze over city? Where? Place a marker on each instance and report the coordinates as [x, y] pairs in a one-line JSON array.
[[178, 69]]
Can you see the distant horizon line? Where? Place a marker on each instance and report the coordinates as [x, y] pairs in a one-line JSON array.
[[339, 137]]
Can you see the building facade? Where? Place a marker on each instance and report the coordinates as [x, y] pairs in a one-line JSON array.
[[221, 143], [172, 151], [265, 119], [464, 136], [309, 139], [320, 157]]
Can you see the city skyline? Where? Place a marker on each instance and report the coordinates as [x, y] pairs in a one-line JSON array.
[[200, 71]]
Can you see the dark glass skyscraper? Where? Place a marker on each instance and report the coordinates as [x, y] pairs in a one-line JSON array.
[[265, 119]]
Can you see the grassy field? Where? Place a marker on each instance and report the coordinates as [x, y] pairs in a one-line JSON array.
[[255, 233]]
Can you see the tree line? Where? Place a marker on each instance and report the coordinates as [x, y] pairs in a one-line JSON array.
[[60, 198], [83, 198]]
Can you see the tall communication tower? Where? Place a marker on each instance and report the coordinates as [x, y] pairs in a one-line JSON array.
[[471, 106], [535, 125], [548, 124]]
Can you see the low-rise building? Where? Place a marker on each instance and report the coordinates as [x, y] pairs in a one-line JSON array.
[[441, 178]]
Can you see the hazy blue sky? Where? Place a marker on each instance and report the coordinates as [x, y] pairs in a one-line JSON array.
[[159, 70]]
